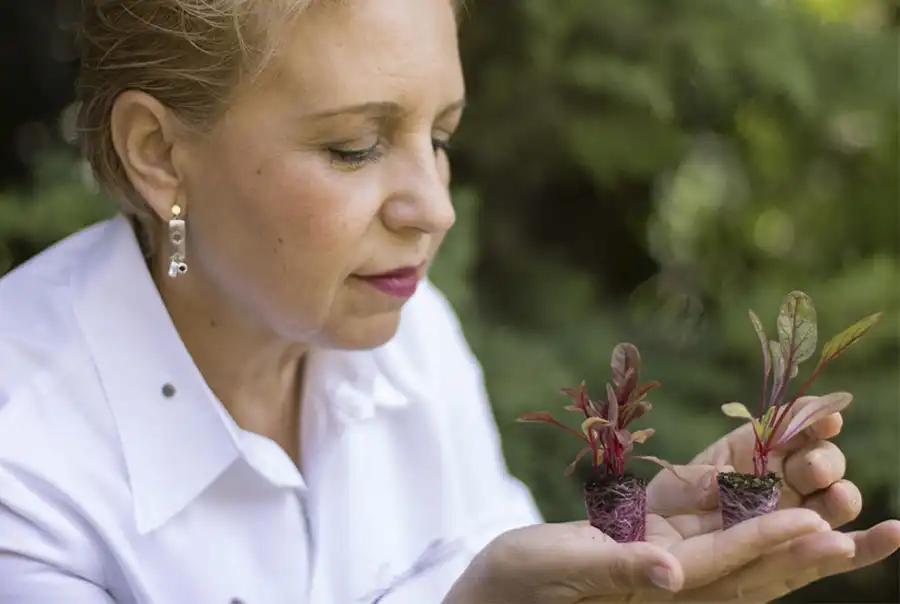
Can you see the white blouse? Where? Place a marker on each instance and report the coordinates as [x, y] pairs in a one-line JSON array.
[[123, 479]]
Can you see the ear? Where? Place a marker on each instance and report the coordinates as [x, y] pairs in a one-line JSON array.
[[145, 134]]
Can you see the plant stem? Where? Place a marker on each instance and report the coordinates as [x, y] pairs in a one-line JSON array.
[[765, 388]]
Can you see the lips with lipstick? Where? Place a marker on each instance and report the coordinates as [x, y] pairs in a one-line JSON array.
[[400, 283]]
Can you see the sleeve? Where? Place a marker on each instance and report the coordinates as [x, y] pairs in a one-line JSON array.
[[496, 500], [46, 557]]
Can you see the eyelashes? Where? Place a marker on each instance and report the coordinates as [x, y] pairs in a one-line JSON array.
[[349, 160]]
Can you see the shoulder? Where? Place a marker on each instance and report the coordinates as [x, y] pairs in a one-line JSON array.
[[57, 437], [42, 353]]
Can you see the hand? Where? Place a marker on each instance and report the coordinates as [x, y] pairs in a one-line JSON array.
[[575, 563], [813, 470]]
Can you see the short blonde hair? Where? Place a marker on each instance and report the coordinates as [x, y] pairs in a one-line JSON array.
[[188, 54]]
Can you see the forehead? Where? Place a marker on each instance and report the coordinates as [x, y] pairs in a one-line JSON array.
[[372, 50]]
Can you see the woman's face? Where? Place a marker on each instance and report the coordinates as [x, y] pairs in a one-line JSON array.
[[332, 170]]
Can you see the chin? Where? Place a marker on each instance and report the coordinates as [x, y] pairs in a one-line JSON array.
[[363, 333]]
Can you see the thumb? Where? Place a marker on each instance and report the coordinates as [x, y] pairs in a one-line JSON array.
[[628, 568], [692, 489]]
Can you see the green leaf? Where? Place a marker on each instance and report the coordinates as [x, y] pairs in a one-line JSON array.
[[797, 328], [591, 421], [847, 338], [641, 436], [737, 410], [625, 356], [762, 426], [761, 333]]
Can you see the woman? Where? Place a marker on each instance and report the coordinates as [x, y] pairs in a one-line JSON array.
[[243, 388]]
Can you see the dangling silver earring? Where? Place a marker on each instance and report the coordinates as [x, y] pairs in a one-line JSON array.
[[177, 264]]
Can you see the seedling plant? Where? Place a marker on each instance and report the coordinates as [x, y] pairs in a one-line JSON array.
[[616, 501], [744, 495]]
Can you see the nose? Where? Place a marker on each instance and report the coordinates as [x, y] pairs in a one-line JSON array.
[[419, 194]]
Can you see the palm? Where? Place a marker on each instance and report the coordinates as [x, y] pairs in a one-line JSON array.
[[751, 556]]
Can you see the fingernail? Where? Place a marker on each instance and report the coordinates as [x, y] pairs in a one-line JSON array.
[[661, 576]]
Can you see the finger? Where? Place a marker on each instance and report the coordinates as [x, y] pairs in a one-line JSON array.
[[784, 569], [827, 427], [871, 546], [838, 504], [592, 564], [627, 568], [693, 489], [710, 557], [814, 467]]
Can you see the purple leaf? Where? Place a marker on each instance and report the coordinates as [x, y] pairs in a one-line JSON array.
[[624, 390], [612, 410], [625, 356], [543, 417], [813, 412], [624, 437], [578, 396]]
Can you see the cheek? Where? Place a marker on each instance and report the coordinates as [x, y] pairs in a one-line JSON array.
[[282, 237]]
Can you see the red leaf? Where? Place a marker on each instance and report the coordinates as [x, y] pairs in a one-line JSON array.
[[571, 467], [537, 416], [624, 390]]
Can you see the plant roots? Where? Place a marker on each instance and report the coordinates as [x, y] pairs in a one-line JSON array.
[[617, 506], [744, 496]]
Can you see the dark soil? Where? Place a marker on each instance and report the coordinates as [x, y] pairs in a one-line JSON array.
[[617, 505], [744, 496]]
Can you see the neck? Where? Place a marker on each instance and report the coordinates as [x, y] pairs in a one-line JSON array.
[[256, 375]]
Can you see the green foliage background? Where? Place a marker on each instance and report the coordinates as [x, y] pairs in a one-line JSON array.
[[648, 170]]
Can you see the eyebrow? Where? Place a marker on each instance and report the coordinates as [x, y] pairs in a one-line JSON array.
[[388, 108]]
